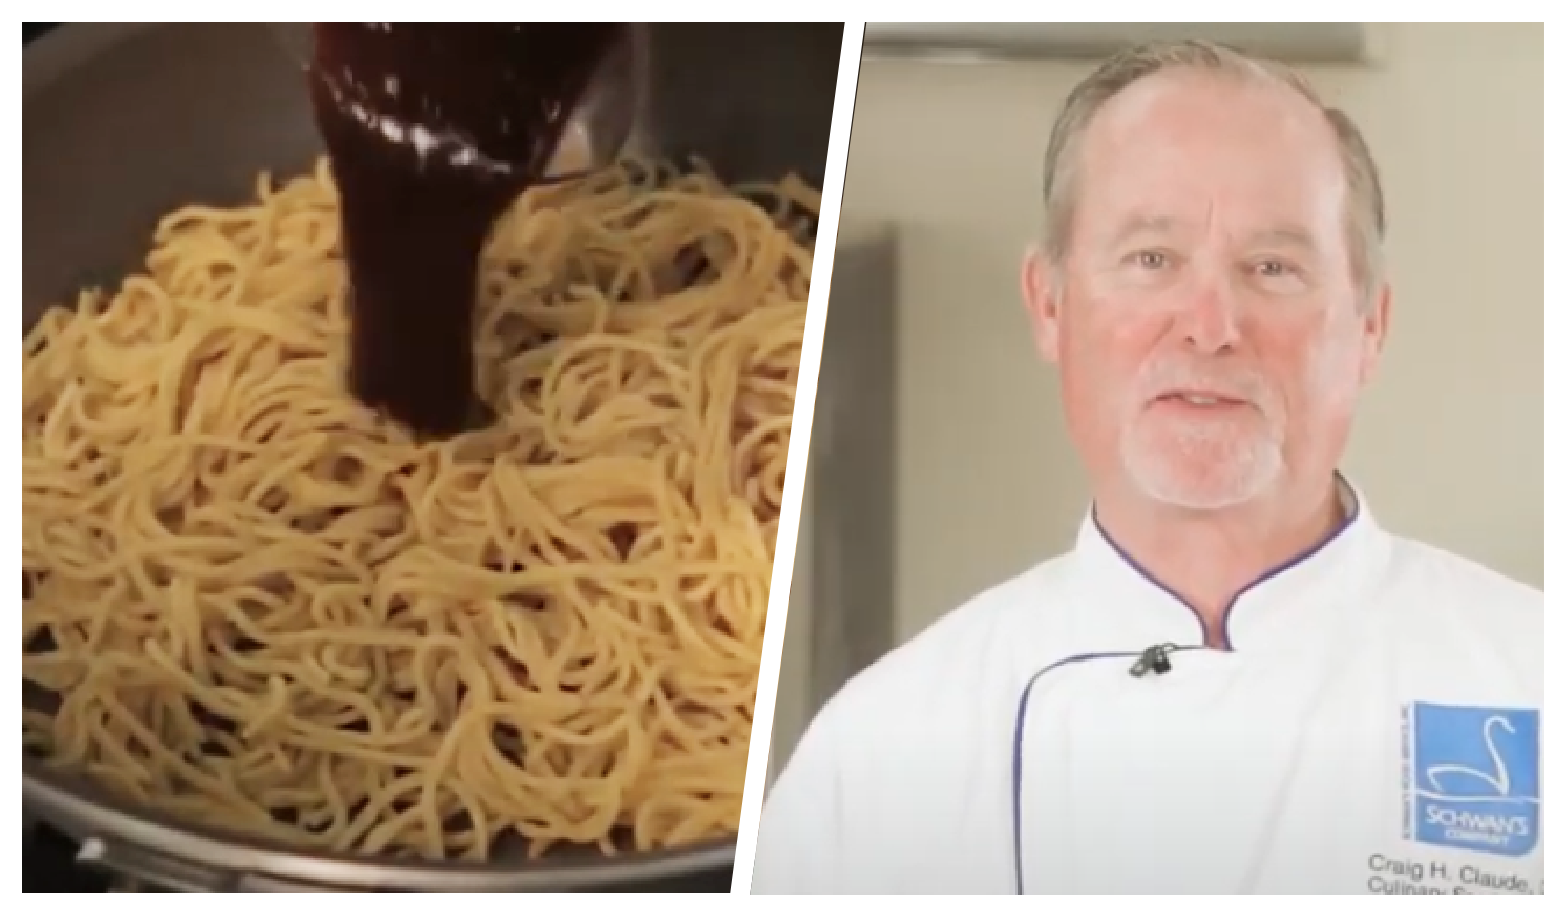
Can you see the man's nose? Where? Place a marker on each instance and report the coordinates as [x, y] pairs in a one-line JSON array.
[[1208, 319]]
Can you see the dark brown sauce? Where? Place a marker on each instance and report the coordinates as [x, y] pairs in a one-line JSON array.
[[432, 130]]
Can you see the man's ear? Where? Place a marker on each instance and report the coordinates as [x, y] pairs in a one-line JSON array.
[[1376, 328], [1040, 286]]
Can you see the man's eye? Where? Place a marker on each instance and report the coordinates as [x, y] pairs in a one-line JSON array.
[[1150, 260], [1270, 267]]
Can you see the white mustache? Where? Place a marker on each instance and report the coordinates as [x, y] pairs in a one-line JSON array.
[[1164, 380]]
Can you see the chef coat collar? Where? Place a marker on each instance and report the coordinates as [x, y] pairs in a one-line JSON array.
[[1319, 582]]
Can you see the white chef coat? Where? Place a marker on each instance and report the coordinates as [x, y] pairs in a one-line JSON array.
[[1374, 730]]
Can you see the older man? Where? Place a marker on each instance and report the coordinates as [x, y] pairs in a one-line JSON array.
[[1236, 682]]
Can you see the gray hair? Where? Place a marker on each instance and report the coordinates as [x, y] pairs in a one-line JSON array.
[[1366, 202]]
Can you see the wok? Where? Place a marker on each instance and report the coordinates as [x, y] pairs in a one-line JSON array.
[[122, 123]]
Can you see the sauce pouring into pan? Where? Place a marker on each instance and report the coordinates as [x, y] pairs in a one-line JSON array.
[[433, 129]]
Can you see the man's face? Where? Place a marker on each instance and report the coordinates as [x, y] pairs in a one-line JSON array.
[[1208, 325]]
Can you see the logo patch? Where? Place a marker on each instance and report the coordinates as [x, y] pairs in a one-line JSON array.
[[1474, 779]]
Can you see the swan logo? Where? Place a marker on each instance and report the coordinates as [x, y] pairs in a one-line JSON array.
[[1474, 778]]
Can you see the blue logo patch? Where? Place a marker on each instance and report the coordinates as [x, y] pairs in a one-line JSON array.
[[1474, 780]]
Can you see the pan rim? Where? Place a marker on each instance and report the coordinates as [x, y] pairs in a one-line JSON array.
[[86, 813]]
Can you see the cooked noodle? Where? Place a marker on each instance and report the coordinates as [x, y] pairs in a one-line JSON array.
[[261, 606]]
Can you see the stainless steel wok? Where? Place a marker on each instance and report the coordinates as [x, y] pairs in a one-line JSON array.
[[123, 122]]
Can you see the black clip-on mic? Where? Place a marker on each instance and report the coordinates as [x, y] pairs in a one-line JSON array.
[[1155, 660]]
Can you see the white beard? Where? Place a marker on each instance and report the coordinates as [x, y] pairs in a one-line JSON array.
[[1201, 468]]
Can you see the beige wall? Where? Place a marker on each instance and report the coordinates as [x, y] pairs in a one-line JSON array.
[[794, 707], [1449, 444]]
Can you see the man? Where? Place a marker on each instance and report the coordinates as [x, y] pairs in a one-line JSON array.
[[1236, 682]]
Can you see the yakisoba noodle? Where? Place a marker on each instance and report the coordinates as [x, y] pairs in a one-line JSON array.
[[262, 607]]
